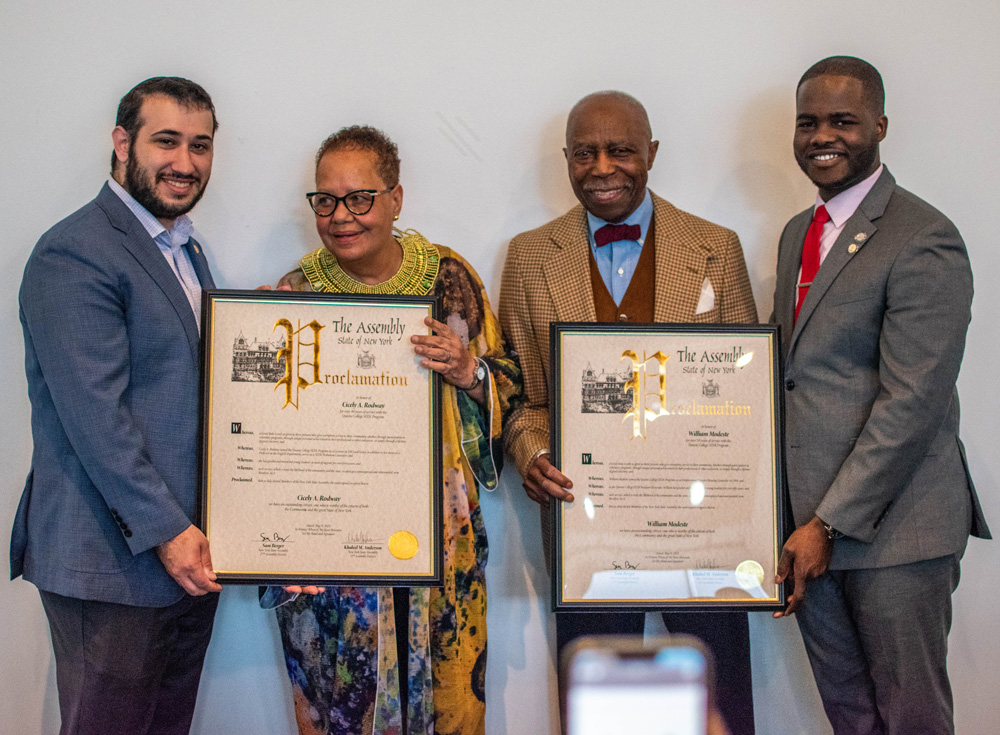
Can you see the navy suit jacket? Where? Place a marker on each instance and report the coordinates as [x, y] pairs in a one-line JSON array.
[[111, 356], [871, 409]]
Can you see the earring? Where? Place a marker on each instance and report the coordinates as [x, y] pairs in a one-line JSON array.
[[395, 217]]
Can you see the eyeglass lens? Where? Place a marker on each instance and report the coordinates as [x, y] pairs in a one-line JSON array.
[[357, 202]]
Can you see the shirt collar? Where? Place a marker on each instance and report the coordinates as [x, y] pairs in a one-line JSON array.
[[642, 216], [843, 206], [176, 237]]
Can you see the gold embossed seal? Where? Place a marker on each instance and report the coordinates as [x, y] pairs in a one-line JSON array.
[[749, 574], [404, 545]]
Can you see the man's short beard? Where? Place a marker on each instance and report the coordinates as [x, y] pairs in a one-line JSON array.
[[144, 192]]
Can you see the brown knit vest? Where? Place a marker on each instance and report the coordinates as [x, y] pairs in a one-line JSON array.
[[637, 303]]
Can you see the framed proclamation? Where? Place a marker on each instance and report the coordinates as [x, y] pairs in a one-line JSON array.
[[672, 436], [321, 439]]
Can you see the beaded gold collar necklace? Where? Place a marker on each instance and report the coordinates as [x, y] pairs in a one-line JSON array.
[[415, 276]]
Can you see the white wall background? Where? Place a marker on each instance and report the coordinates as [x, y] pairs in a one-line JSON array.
[[476, 94]]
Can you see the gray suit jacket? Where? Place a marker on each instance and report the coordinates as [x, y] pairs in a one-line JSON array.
[[871, 409], [111, 355]]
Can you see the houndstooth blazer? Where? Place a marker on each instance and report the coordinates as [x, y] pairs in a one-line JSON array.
[[546, 278]]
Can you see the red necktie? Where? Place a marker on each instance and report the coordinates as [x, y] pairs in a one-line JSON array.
[[615, 233], [810, 255]]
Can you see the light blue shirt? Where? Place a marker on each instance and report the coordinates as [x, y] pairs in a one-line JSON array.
[[616, 261], [171, 243]]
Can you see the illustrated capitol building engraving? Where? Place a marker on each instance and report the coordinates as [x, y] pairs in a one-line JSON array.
[[257, 361], [605, 392]]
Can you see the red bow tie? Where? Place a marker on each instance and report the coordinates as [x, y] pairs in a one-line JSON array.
[[614, 233]]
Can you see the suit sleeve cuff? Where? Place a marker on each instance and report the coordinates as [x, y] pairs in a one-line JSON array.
[[861, 532], [143, 538], [527, 448]]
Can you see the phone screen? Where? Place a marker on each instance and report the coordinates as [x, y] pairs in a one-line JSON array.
[[660, 692]]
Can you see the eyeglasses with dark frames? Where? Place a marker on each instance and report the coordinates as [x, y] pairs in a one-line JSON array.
[[357, 202]]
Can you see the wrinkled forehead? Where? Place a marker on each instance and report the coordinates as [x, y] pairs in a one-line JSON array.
[[158, 110], [606, 119], [353, 157], [352, 166]]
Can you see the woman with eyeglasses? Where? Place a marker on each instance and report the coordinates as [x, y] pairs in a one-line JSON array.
[[339, 642]]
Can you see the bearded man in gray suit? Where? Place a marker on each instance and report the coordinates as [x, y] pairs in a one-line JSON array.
[[874, 295], [110, 303]]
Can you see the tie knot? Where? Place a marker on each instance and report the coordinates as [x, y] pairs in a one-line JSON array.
[[615, 233], [821, 215]]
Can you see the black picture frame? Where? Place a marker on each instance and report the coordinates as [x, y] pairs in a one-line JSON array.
[[267, 304], [769, 335]]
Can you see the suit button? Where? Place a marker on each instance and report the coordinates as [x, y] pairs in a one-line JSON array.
[[623, 317], [790, 385], [124, 526], [127, 533]]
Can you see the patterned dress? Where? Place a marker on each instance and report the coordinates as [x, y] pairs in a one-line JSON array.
[[340, 646]]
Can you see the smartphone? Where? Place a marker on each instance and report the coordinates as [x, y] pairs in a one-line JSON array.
[[623, 685]]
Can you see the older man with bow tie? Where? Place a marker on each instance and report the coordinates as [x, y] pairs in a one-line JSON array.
[[623, 255]]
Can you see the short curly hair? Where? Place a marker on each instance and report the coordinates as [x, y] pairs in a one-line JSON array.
[[366, 138]]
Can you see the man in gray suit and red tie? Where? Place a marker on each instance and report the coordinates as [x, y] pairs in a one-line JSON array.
[[874, 295], [110, 307]]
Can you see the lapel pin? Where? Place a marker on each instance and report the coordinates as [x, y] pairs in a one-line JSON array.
[[861, 237], [852, 248]]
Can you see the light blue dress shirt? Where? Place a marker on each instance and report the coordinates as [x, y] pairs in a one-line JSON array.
[[616, 261]]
